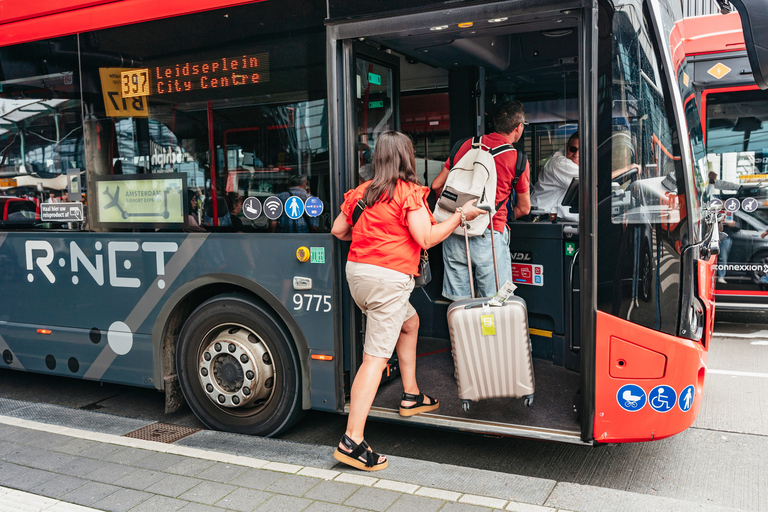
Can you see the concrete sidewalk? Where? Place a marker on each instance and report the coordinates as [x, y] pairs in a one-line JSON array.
[[63, 460]]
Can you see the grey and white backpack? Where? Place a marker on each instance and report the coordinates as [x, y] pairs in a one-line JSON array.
[[472, 177]]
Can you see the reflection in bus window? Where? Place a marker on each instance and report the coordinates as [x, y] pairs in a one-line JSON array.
[[639, 275], [41, 135], [226, 123], [642, 134]]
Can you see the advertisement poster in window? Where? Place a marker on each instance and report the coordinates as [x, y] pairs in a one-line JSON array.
[[153, 201]]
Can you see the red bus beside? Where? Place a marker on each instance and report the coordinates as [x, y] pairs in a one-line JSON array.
[[732, 122]]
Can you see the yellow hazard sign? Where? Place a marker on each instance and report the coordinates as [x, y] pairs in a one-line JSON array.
[[719, 70]]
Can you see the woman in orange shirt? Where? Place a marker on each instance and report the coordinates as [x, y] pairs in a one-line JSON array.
[[383, 258]]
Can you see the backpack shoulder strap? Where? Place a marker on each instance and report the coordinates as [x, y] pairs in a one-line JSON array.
[[500, 149], [456, 147], [522, 161]]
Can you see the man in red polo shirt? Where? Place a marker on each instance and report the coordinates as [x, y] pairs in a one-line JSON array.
[[509, 123]]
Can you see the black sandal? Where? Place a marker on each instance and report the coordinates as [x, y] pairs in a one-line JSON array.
[[419, 406], [353, 457]]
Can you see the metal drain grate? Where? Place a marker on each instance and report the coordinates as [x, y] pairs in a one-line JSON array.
[[162, 433]]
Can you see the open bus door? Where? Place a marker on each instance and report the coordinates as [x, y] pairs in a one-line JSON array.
[[472, 73], [371, 88]]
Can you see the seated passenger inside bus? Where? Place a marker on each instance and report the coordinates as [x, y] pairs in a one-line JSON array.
[[561, 168]]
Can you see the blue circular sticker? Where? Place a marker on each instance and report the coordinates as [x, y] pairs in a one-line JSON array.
[[314, 206], [716, 203], [631, 397], [686, 398], [662, 398], [294, 207]]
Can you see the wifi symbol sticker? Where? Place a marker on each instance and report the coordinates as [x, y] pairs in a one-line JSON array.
[[273, 208]]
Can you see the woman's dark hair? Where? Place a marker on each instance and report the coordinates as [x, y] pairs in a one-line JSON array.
[[393, 160]]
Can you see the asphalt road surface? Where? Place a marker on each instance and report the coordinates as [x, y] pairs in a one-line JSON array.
[[720, 460]]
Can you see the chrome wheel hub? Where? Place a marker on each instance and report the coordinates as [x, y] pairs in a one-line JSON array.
[[236, 369]]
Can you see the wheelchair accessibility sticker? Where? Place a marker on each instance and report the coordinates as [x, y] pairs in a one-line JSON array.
[[686, 399], [662, 398], [631, 397]]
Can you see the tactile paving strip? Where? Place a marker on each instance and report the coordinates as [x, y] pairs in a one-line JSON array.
[[162, 433]]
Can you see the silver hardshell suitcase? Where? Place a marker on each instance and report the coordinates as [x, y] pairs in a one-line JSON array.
[[491, 365]]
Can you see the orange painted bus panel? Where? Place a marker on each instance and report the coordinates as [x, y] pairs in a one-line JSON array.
[[633, 409], [712, 34], [707, 295], [631, 361]]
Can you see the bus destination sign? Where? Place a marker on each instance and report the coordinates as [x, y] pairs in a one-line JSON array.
[[219, 73]]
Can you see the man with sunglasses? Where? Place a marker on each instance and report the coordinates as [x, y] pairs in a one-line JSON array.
[[560, 169]]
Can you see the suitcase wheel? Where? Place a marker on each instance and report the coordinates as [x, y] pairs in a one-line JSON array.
[[529, 400], [465, 405]]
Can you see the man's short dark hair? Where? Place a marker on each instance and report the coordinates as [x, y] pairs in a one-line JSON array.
[[574, 136], [508, 116], [297, 181]]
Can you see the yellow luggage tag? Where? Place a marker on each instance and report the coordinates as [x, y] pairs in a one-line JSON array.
[[487, 321]]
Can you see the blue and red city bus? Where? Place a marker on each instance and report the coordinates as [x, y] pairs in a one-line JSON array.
[[733, 112], [189, 157]]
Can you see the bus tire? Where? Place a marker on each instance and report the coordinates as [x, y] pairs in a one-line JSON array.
[[238, 369]]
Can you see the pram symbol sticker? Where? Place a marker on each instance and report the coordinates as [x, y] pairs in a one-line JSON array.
[[662, 398], [631, 397], [686, 399]]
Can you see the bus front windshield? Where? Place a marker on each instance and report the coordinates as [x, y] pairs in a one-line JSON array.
[[737, 135]]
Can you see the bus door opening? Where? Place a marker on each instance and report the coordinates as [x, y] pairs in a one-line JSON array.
[[450, 82]]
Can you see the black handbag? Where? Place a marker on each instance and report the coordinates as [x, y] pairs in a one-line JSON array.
[[425, 272]]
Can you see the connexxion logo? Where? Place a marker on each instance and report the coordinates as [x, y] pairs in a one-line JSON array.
[[41, 254]]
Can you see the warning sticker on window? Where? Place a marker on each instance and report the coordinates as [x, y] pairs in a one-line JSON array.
[[524, 273]]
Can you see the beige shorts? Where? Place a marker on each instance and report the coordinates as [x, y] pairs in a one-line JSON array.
[[382, 294]]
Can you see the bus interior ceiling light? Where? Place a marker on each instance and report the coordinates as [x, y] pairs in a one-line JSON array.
[[439, 27], [467, 24], [497, 20]]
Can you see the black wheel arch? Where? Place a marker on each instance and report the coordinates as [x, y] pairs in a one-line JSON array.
[[192, 294]]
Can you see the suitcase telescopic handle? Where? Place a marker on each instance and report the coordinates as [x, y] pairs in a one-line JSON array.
[[469, 258]]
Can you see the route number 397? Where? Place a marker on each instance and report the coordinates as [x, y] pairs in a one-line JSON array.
[[310, 302]]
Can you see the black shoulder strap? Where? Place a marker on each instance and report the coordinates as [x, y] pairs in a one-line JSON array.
[[359, 207], [455, 149], [522, 161]]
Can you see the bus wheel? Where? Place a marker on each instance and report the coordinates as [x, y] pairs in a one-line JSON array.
[[237, 368]]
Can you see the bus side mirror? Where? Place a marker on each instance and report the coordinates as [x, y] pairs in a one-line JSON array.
[[754, 23]]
